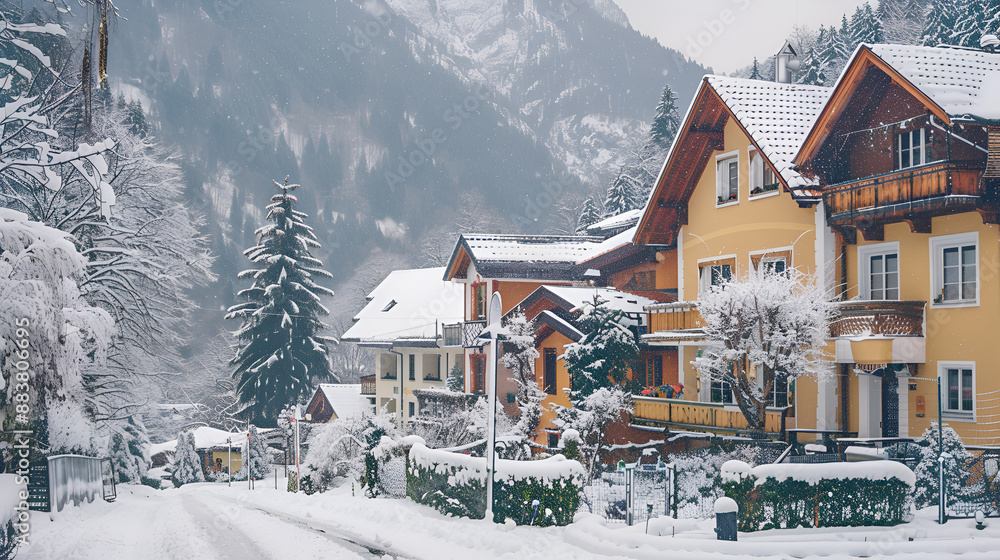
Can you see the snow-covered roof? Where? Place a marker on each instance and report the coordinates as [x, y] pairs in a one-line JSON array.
[[965, 83], [579, 296], [614, 242], [623, 220], [408, 304], [532, 248], [205, 437], [777, 116], [346, 400]]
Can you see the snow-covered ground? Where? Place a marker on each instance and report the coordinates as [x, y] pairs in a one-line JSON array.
[[216, 521]]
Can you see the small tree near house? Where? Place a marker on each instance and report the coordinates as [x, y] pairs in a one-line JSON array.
[[254, 457], [764, 328], [187, 464], [521, 361], [958, 476]]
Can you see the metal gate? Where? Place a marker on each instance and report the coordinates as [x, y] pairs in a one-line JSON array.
[[890, 404], [631, 494], [38, 486]]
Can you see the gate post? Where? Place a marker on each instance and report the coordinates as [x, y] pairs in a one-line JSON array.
[[629, 495]]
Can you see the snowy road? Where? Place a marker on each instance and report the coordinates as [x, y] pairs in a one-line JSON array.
[[209, 521]]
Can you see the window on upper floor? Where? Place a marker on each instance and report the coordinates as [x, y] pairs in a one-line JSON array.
[[727, 177], [479, 301], [913, 148], [774, 264], [762, 178], [879, 271], [549, 371], [713, 275], [955, 269]]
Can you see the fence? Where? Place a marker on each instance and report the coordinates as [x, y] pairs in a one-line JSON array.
[[631, 494], [73, 479]]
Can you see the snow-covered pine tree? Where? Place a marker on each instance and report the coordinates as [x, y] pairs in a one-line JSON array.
[[590, 215], [622, 194], [603, 357], [755, 70], [129, 451], [666, 121], [281, 354], [813, 74], [970, 23], [187, 464], [940, 22], [254, 456], [843, 43], [957, 473]]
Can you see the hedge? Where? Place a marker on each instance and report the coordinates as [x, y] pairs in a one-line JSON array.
[[784, 496], [455, 484]]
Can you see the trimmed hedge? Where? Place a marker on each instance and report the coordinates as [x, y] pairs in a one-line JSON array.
[[820, 499], [455, 484]]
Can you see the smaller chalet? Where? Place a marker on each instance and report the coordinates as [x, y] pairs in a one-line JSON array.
[[404, 322], [211, 444], [333, 401]]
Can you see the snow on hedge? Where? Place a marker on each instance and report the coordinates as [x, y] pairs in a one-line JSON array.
[[814, 473], [545, 471]]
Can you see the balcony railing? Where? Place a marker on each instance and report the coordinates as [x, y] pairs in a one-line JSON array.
[[681, 315], [452, 334], [471, 331], [706, 417], [878, 318], [893, 196], [368, 384]]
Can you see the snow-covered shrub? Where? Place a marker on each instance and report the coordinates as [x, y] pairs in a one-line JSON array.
[[785, 496], [337, 449], [385, 467], [590, 417], [455, 484], [129, 451], [697, 478], [957, 472], [254, 457], [187, 464]]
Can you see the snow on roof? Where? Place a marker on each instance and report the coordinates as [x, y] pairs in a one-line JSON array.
[[204, 438], [963, 82], [408, 304], [346, 400], [532, 248], [610, 244], [614, 222], [777, 116], [579, 296]]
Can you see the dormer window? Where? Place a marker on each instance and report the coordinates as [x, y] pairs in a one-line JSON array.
[[913, 148], [762, 178], [727, 176]]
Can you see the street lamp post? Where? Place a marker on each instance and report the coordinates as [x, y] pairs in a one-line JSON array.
[[229, 442], [942, 501], [496, 310]]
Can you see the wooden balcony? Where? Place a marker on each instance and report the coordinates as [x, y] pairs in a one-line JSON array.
[[682, 315], [913, 195], [704, 417], [368, 384], [878, 318]]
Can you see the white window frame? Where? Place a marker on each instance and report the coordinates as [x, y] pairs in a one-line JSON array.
[[705, 280], [722, 179], [865, 254], [911, 150], [758, 168], [953, 414], [937, 246]]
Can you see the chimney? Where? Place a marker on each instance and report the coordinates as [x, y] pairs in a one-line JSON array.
[[784, 64]]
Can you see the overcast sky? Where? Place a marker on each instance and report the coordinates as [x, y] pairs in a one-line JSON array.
[[727, 34]]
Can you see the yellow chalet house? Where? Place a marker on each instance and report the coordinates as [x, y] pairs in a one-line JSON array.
[[730, 200], [907, 152]]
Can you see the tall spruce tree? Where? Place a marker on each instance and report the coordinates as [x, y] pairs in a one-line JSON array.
[[971, 23], [281, 354], [603, 357], [666, 122], [940, 22], [622, 194], [591, 214]]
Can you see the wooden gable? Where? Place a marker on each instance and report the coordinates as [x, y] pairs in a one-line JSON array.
[[319, 409], [701, 135]]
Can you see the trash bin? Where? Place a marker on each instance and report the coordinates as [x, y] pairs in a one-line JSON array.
[[726, 519]]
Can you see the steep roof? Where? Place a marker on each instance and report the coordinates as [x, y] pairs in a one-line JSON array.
[[775, 116], [954, 84], [615, 223], [408, 305], [345, 399], [541, 257], [965, 83]]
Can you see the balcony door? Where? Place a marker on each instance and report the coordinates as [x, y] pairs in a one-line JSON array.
[[890, 403]]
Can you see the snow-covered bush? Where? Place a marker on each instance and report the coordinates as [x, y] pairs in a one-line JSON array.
[[254, 455], [337, 449], [130, 451], [590, 417], [957, 472], [187, 463], [455, 484], [385, 467], [785, 496], [697, 477]]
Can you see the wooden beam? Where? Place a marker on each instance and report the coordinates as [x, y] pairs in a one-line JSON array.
[[848, 234], [919, 225], [874, 232]]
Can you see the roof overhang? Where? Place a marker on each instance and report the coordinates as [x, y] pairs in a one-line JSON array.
[[843, 94]]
